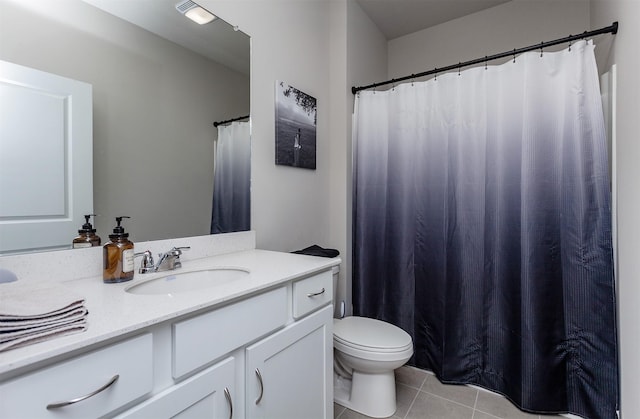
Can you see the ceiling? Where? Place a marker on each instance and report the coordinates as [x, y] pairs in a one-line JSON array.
[[396, 18], [216, 40]]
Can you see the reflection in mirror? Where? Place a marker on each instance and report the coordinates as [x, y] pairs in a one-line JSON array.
[[45, 121], [232, 177], [154, 101]]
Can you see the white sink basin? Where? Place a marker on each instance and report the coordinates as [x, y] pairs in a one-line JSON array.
[[188, 281]]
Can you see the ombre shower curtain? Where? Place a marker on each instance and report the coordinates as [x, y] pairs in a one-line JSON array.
[[232, 179], [482, 226]]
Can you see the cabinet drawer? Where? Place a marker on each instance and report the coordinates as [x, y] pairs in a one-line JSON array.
[[312, 293], [205, 338], [209, 394], [132, 361]]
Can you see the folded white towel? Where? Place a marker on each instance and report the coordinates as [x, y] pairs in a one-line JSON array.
[[28, 339], [71, 316], [35, 315], [9, 335], [15, 302]]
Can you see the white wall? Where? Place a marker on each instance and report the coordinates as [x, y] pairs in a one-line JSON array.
[[154, 104], [622, 50], [291, 43], [366, 62], [515, 24], [338, 144], [367, 51], [308, 44]]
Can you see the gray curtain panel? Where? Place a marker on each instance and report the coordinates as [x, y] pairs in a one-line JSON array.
[[482, 226], [232, 179]]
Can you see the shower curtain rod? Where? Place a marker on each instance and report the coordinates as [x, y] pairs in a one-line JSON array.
[[613, 29], [215, 124]]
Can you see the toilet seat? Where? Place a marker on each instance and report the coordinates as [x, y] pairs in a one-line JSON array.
[[372, 339]]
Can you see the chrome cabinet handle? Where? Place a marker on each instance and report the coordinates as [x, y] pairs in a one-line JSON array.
[[57, 405], [227, 394], [261, 386], [315, 294]]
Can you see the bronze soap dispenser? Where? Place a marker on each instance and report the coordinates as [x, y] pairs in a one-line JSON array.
[[118, 256], [86, 235]]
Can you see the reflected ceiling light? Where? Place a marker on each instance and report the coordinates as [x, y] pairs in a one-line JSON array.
[[194, 12]]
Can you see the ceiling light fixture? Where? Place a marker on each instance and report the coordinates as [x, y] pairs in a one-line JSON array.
[[195, 12]]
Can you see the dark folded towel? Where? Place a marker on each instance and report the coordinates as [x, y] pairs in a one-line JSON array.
[[316, 250]]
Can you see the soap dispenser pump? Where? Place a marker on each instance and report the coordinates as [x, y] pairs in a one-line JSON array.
[[87, 235], [118, 256]]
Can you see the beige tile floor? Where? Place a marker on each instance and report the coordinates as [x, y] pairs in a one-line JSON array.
[[421, 396]]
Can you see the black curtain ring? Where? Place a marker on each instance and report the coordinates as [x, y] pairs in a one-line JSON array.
[[485, 62], [541, 44], [514, 55]]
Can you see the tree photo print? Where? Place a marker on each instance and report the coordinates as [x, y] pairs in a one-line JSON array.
[[296, 116]]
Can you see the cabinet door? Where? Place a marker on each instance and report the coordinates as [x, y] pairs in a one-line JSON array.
[[288, 374], [209, 394]]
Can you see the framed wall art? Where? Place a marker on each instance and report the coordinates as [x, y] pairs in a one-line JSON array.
[[296, 118]]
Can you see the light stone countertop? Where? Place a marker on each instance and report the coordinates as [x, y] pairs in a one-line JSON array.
[[114, 312]]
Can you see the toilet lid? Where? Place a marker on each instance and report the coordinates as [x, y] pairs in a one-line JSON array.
[[370, 333]]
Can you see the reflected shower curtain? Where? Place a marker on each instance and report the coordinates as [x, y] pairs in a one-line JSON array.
[[231, 179], [482, 227]]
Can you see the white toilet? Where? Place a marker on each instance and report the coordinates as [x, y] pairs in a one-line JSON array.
[[366, 353]]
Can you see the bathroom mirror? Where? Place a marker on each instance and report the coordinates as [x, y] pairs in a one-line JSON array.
[[159, 82]]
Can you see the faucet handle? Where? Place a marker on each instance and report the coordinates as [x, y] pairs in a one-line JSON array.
[[147, 264], [178, 250]]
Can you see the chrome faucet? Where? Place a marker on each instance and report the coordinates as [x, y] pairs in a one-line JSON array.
[[168, 261]]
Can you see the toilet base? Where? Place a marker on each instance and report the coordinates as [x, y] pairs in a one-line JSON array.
[[370, 394]]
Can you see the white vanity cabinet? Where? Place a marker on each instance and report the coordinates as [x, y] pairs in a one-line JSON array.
[[273, 355], [205, 364]]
